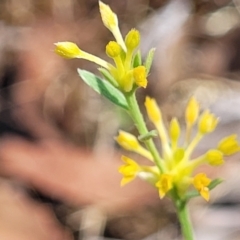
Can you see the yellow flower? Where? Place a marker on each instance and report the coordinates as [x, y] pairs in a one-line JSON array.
[[207, 122], [110, 21], [129, 170], [229, 145], [130, 142], [164, 184], [192, 111], [67, 50], [214, 157], [140, 76], [201, 183], [155, 115], [71, 50]]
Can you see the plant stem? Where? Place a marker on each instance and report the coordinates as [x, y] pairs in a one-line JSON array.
[[184, 219], [141, 126]]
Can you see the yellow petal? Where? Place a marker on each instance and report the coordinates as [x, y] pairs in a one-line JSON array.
[[204, 192], [164, 184], [201, 182], [129, 170], [140, 76]]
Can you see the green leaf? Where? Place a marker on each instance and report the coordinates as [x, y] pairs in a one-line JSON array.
[[137, 61], [149, 59], [104, 88]]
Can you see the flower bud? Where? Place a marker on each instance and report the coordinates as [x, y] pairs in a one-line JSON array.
[[132, 39], [153, 110], [207, 122], [140, 76], [174, 130], [214, 157], [113, 49], [229, 145], [67, 50], [192, 111], [127, 141]]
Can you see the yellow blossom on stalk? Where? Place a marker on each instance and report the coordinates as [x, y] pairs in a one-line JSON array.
[[130, 142], [214, 157], [140, 76], [178, 169], [164, 184], [71, 50], [229, 145], [201, 183], [132, 39], [110, 21], [125, 74], [129, 170], [207, 122], [68, 50]]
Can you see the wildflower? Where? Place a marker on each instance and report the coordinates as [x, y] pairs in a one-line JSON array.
[[123, 74], [110, 21], [229, 145], [192, 111], [177, 162], [201, 183], [207, 122], [129, 170], [130, 142], [214, 157], [164, 184], [140, 76], [71, 50], [67, 49], [174, 132], [132, 39]]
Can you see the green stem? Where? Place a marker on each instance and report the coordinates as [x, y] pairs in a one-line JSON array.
[[184, 219], [141, 126]]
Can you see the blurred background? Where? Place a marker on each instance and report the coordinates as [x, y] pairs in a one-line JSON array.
[[58, 159]]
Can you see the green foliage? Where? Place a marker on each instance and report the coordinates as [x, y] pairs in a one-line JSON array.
[[104, 88], [149, 59]]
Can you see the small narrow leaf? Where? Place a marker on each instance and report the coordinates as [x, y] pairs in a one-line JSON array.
[[148, 135], [104, 88], [137, 61], [149, 59]]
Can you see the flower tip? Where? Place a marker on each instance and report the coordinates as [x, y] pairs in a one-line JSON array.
[[109, 18], [67, 49]]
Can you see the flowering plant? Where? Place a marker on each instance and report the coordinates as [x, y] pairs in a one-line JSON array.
[[172, 172]]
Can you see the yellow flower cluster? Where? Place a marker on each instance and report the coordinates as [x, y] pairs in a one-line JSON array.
[[178, 170], [126, 74]]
